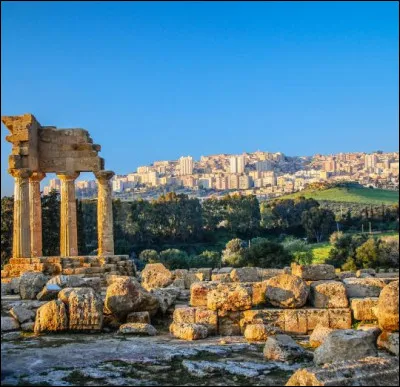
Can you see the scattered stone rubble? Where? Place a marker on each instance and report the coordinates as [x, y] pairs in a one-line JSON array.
[[268, 307]]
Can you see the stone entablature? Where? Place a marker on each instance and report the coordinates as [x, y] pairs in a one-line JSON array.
[[37, 150]]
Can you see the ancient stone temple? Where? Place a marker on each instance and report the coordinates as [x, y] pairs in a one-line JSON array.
[[39, 150]]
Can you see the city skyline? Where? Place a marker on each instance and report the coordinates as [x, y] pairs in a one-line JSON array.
[[166, 80]]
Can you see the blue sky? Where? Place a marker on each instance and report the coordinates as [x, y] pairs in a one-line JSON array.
[[154, 81]]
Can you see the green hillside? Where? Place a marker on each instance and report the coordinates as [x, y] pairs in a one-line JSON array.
[[349, 195]]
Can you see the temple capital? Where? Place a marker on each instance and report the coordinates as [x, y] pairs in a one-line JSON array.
[[104, 176], [23, 173], [37, 176], [67, 175]]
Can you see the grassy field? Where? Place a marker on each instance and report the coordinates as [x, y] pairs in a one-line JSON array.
[[350, 195]]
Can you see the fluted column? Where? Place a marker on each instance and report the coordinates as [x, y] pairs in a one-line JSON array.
[[21, 232], [68, 223], [36, 213], [105, 233]]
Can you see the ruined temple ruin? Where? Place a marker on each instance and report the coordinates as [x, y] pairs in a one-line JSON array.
[[36, 151]]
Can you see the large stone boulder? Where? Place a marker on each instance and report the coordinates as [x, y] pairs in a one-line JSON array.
[[166, 297], [318, 335], [22, 314], [51, 317], [364, 308], [9, 324], [345, 344], [388, 307], [125, 295], [85, 309], [258, 332], [245, 274], [140, 329], [363, 287], [230, 297], [188, 331], [287, 291], [138, 317], [30, 284], [75, 281], [371, 371], [199, 292], [156, 275], [328, 294], [389, 341], [229, 324], [49, 292], [315, 272], [283, 348]]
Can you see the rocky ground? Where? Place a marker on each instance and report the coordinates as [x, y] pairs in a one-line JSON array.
[[112, 359]]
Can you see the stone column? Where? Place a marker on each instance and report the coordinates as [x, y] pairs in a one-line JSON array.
[[68, 223], [21, 233], [104, 213], [36, 213]]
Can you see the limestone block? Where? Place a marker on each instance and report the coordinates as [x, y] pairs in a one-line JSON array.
[[271, 317], [22, 314], [389, 341], [388, 307], [317, 317], [9, 324], [258, 332], [259, 290], [221, 277], [296, 321], [208, 318], [319, 334], [266, 274], [184, 315], [371, 371], [49, 292], [199, 292], [364, 308], [228, 297], [315, 272], [363, 287], [348, 344], [138, 317], [206, 272], [283, 348], [156, 275], [31, 284], [340, 318], [190, 278], [51, 317], [244, 274], [188, 331], [229, 324], [287, 291], [328, 294], [141, 329]]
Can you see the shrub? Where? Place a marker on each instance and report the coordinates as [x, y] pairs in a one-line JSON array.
[[206, 259], [389, 252], [268, 255], [234, 253], [300, 250], [149, 256], [174, 259], [367, 255]]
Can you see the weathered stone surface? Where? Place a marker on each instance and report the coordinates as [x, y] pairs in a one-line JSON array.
[[28, 326], [274, 318], [296, 321], [186, 315], [345, 344], [258, 332], [22, 314], [388, 307], [319, 334], [199, 292], [371, 371], [364, 308], [266, 274], [317, 317], [259, 290], [287, 291], [230, 297], [365, 273], [67, 281], [49, 292], [9, 324], [138, 317], [14, 285], [314, 272], [208, 318], [138, 329], [31, 283], [85, 309], [188, 331], [190, 278], [205, 272], [51, 317], [340, 318], [345, 274], [229, 324], [156, 275], [283, 348], [221, 277], [166, 297], [328, 294], [245, 274], [363, 287], [125, 295], [389, 341]]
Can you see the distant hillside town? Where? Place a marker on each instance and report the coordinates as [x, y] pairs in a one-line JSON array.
[[264, 174]]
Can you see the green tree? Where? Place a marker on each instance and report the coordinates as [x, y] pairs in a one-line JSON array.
[[318, 223], [300, 250], [234, 253], [206, 259], [389, 252], [367, 255], [267, 254], [7, 211], [51, 223], [149, 256], [174, 259]]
